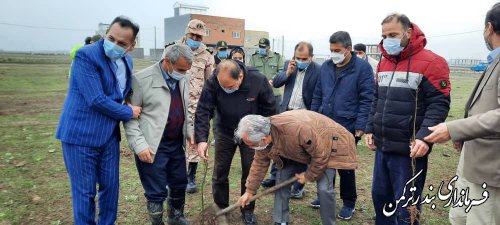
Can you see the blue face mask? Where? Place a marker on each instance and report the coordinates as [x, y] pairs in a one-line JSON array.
[[192, 43], [262, 51], [301, 64], [392, 46], [229, 91], [113, 51], [175, 75], [222, 54]]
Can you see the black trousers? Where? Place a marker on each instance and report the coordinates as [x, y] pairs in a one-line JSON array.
[[225, 147], [168, 168], [347, 187]]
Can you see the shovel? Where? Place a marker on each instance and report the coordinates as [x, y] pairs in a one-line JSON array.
[[255, 197]]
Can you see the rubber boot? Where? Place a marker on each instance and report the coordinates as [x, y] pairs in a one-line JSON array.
[[191, 186], [155, 210], [176, 202]]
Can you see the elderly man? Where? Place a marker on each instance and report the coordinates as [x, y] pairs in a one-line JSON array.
[[297, 137], [157, 136], [478, 136], [233, 92], [89, 125]]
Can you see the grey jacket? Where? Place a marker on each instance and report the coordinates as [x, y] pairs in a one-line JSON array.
[[151, 92], [480, 130]]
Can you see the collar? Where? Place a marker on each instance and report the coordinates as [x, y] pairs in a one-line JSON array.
[[493, 55]]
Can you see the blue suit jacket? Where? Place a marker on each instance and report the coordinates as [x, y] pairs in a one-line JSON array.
[[346, 97], [312, 74], [93, 106]]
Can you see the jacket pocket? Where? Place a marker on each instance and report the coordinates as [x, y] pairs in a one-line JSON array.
[[273, 66]]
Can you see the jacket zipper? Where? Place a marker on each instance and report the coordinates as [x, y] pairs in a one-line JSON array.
[[385, 103]]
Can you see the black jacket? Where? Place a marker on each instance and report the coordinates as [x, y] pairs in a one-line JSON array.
[[254, 96]]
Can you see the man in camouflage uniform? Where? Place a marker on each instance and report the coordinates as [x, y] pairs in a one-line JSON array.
[[200, 70], [270, 64]]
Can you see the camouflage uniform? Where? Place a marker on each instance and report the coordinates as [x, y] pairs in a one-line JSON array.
[[200, 70]]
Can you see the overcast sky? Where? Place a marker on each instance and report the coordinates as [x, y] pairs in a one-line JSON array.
[[311, 20]]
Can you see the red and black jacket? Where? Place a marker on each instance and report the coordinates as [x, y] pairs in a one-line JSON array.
[[412, 93]]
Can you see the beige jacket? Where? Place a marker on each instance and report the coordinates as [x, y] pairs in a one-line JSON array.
[[480, 130], [306, 137], [151, 92]]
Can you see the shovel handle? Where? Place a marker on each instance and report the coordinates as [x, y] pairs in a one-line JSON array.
[[255, 197]]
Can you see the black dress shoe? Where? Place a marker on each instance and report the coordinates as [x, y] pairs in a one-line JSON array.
[[248, 217], [267, 183]]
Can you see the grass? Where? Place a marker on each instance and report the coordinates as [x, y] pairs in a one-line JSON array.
[[34, 187]]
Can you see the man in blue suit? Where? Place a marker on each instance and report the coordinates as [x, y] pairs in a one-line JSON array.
[[299, 80], [344, 92], [89, 124]]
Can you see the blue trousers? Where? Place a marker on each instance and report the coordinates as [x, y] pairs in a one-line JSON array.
[[391, 174], [86, 168], [168, 169]]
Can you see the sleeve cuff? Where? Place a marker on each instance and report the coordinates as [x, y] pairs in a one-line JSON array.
[[139, 147], [422, 133]]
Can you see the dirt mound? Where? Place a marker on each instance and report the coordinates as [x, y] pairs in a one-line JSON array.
[[208, 217]]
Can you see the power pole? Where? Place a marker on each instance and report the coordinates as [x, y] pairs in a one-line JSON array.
[[283, 46], [155, 45]]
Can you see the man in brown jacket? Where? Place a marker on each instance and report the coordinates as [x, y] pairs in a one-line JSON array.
[[478, 137], [300, 139]]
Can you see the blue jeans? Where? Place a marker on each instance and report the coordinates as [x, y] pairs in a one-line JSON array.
[[391, 174]]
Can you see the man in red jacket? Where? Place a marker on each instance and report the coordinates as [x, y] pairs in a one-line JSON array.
[[412, 94]]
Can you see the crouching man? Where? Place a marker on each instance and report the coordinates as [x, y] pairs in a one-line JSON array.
[[297, 138]]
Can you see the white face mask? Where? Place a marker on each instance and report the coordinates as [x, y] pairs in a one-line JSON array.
[[362, 57], [337, 57], [260, 148]]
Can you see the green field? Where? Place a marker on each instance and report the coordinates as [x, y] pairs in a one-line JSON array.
[[34, 187]]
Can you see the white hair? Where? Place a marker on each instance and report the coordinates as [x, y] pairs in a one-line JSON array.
[[255, 127], [176, 51]]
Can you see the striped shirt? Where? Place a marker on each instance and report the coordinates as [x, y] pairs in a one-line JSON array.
[[296, 100]]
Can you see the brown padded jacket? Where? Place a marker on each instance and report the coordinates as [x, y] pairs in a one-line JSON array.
[[306, 137]]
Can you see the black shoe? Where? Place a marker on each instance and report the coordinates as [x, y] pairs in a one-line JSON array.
[[297, 193], [155, 211], [248, 217], [267, 183], [191, 187]]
